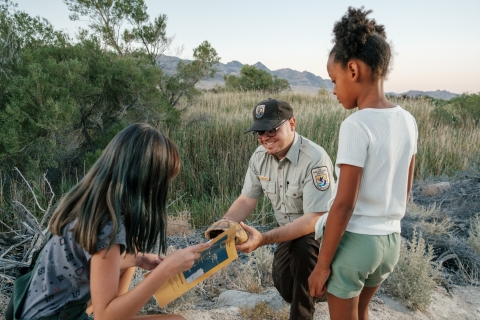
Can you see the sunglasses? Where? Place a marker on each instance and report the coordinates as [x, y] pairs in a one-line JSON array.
[[269, 133]]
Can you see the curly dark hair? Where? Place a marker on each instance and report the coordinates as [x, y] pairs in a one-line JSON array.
[[357, 37]]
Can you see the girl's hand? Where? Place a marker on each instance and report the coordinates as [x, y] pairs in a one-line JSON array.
[[317, 281], [148, 261], [183, 259]]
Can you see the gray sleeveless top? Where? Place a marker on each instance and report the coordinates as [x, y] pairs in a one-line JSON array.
[[63, 272]]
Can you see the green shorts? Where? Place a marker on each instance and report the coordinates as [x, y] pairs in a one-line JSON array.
[[362, 260]]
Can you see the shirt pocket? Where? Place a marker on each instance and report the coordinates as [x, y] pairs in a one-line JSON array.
[[294, 198], [269, 189]]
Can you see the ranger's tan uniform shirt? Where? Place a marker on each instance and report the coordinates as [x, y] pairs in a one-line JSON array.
[[302, 182]]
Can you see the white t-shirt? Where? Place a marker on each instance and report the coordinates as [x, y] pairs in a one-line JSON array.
[[382, 142]]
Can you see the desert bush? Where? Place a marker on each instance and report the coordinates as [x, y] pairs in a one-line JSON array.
[[247, 277], [437, 227], [474, 233], [178, 224], [4, 300], [255, 273], [262, 311], [263, 260], [413, 279], [417, 212], [219, 282], [463, 110], [253, 79], [427, 219]]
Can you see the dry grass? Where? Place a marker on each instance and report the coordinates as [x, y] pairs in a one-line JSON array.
[[474, 233], [417, 212], [435, 188], [437, 227], [254, 274], [413, 279], [262, 311], [429, 220], [4, 300], [215, 150], [179, 224], [263, 260]]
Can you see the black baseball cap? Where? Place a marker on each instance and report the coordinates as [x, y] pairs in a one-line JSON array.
[[268, 114]]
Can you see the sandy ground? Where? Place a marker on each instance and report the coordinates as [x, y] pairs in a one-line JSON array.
[[460, 303]]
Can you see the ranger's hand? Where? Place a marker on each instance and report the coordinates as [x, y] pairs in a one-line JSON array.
[[254, 241]]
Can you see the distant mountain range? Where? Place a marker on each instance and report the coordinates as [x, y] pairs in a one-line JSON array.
[[438, 94], [299, 81]]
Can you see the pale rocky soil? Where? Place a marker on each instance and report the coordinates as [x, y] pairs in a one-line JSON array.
[[460, 303]]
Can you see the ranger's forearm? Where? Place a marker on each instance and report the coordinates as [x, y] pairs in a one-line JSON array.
[[296, 229]]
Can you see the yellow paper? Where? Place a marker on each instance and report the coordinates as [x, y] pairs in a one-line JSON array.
[[219, 255]]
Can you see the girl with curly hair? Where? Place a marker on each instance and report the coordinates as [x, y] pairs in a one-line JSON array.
[[374, 166]]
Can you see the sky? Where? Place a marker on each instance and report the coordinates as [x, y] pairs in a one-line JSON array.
[[436, 42]]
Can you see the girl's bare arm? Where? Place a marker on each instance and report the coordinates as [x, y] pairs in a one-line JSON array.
[[105, 275], [337, 221], [411, 169]]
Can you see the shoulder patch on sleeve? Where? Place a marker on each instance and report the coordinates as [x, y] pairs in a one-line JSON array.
[[320, 178]]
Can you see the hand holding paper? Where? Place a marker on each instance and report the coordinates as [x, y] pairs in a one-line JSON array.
[[210, 257]]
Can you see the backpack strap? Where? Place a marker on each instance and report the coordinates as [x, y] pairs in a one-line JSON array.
[[22, 283]]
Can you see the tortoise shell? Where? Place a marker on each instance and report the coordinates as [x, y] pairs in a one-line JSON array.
[[222, 225]]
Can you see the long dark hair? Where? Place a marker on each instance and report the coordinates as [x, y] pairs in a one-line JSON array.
[[129, 181], [357, 37]]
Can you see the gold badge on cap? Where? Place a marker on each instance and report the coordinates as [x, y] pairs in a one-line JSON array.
[[320, 178], [260, 111]]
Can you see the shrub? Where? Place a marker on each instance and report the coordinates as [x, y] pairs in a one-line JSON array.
[[437, 227], [460, 111], [262, 311], [413, 279], [417, 212], [247, 277], [263, 258], [474, 233], [179, 224], [253, 79], [427, 219]]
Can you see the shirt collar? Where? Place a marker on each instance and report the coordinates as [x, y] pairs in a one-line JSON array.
[[294, 151]]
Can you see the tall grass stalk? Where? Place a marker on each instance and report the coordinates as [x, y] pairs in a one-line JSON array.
[[215, 151]]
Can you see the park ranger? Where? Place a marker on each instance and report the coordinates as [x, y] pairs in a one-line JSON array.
[[296, 175]]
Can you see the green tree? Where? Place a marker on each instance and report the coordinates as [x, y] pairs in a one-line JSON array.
[[254, 79], [459, 111], [59, 99], [63, 99], [107, 19], [182, 84], [28, 128]]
